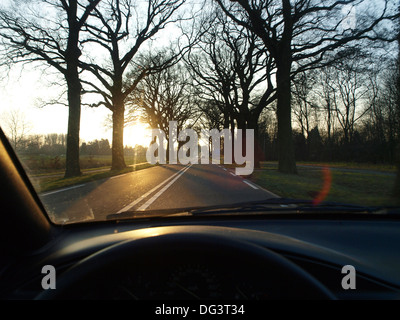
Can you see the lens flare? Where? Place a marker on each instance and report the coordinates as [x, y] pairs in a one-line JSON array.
[[327, 176]]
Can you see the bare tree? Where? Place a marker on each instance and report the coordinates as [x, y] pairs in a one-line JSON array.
[[232, 73], [163, 97], [298, 34], [302, 101], [211, 116], [112, 30], [31, 34], [349, 88], [325, 92], [16, 127]]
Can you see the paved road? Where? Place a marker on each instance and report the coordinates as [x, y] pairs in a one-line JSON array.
[[160, 187]]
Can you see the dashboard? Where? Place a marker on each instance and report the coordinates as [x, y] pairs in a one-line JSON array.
[[206, 258]]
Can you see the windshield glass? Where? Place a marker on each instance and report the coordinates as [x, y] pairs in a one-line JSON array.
[[123, 109]]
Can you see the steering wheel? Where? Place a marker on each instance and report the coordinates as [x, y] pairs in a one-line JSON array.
[[282, 278]]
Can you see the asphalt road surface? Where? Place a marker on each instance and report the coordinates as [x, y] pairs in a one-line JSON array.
[[159, 187]]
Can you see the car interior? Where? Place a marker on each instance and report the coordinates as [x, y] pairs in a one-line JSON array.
[[243, 256]]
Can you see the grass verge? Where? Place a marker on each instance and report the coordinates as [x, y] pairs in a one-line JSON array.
[[53, 183], [361, 188], [343, 165]]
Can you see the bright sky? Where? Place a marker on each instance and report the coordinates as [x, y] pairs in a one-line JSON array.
[[23, 93]]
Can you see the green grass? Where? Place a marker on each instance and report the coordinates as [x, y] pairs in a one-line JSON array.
[[347, 187], [39, 164], [346, 165], [48, 184]]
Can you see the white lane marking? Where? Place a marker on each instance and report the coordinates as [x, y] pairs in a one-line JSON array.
[[121, 175], [61, 190], [159, 193], [129, 206], [232, 174], [250, 184], [224, 169]]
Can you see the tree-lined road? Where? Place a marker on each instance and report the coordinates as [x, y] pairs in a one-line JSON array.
[[159, 187]]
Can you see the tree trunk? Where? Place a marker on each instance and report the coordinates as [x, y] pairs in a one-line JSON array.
[[241, 124], [72, 55], [118, 160], [168, 146], [74, 118], [283, 58], [286, 157], [231, 126], [258, 152]]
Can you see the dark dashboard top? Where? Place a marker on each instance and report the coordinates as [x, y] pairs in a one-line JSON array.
[[320, 246]]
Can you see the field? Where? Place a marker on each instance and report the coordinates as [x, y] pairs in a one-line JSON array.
[[47, 173], [46, 183], [361, 184], [37, 165]]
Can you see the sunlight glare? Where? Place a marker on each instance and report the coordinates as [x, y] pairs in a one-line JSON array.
[[138, 133]]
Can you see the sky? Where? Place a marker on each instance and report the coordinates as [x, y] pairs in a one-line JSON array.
[[24, 93], [24, 90]]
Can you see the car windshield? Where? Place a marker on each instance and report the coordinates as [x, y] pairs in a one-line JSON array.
[[128, 109]]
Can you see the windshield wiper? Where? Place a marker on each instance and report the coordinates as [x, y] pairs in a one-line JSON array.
[[293, 205]]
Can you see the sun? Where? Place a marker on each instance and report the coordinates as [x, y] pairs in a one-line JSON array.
[[138, 133]]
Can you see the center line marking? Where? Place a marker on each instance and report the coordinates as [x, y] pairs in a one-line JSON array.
[[131, 205], [119, 176], [159, 193]]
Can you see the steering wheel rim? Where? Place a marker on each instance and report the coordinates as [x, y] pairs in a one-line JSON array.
[[182, 245]]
